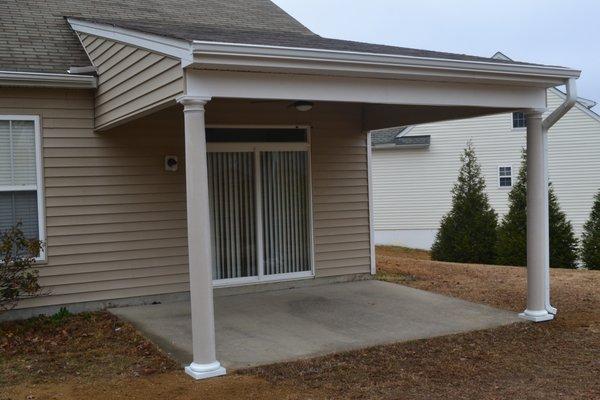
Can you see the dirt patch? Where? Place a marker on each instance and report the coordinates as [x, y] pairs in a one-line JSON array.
[[404, 252], [85, 346], [560, 359]]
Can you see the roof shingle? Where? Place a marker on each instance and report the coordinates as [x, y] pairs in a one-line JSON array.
[[36, 37]]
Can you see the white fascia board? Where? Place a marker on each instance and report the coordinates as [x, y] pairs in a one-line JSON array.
[[175, 48], [41, 79], [261, 57]]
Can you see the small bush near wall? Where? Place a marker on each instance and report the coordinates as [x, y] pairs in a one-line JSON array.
[[18, 278], [511, 247], [468, 232], [590, 242]]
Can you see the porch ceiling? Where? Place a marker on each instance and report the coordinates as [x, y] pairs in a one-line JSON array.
[[283, 325]]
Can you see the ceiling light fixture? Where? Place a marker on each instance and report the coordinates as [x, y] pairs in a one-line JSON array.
[[303, 105]]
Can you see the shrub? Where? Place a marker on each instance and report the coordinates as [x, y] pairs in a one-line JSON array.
[[468, 232], [511, 248], [18, 278], [590, 240]]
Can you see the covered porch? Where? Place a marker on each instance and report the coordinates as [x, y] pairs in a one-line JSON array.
[[274, 191]]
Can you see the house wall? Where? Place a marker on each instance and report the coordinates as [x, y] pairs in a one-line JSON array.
[[412, 186], [116, 221], [130, 80], [339, 170]]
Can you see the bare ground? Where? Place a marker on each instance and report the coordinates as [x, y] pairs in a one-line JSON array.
[[560, 359]]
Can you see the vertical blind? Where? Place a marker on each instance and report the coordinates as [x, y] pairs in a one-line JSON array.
[[18, 180], [233, 214], [284, 213]]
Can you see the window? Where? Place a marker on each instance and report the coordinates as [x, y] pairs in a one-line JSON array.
[[20, 175], [505, 176], [519, 120]]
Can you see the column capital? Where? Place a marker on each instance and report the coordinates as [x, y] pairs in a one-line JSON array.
[[534, 112], [193, 103]]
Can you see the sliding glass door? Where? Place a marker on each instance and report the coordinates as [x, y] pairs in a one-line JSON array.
[[284, 192], [233, 214], [260, 212]]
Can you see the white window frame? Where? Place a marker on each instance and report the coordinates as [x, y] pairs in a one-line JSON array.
[[512, 181], [256, 148], [512, 125], [39, 186]]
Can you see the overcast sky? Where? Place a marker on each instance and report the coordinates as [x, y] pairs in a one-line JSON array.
[[555, 32]]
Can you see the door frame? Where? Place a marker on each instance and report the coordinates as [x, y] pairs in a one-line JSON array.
[[256, 148]]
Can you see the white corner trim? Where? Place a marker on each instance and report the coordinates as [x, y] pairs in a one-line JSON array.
[[371, 205], [41, 79], [176, 48]]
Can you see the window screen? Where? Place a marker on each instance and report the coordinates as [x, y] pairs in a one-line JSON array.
[[18, 176]]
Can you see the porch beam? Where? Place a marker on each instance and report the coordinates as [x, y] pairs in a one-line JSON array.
[[278, 86], [537, 220], [204, 364]]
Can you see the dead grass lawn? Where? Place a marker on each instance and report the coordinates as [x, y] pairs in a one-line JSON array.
[[554, 360]]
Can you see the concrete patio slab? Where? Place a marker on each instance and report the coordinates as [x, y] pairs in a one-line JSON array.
[[282, 325]]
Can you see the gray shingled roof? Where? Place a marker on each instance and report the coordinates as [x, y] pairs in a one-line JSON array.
[[386, 136], [36, 37], [389, 136]]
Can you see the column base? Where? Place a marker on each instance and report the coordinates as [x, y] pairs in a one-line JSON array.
[[551, 310], [204, 371], [536, 316]]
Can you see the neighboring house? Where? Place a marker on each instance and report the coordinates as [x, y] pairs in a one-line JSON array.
[[415, 168], [200, 143]]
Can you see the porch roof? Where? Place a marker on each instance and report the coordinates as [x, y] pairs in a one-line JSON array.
[[195, 32]]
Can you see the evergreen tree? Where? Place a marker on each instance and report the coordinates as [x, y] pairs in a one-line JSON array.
[[511, 248], [468, 232], [590, 242], [512, 233]]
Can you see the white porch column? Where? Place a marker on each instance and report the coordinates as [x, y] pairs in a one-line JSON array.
[[537, 217], [204, 364]]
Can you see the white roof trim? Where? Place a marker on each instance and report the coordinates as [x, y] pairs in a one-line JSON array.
[[405, 131], [37, 79], [237, 50], [159, 44]]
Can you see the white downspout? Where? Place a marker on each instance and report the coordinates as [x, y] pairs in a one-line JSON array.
[[547, 123], [561, 110]]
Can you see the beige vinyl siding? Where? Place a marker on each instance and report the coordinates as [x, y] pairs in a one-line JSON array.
[[116, 221], [131, 81], [339, 172], [412, 187]]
